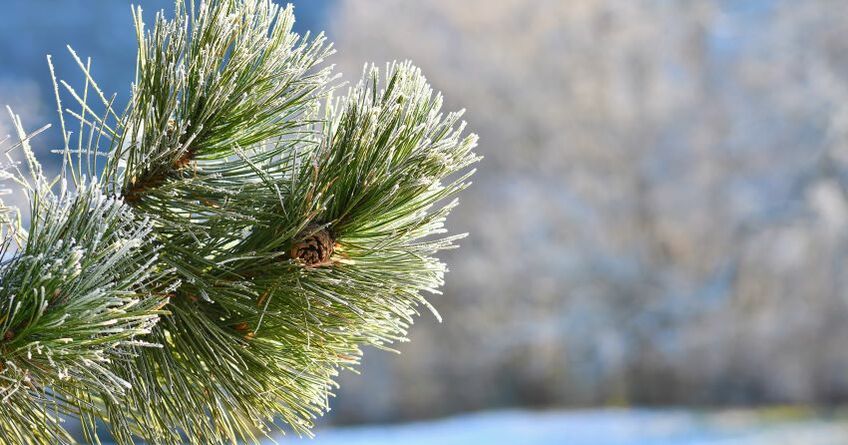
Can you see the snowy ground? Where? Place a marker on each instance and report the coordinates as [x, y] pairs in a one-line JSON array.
[[597, 427]]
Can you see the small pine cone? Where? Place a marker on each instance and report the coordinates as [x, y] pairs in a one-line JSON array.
[[315, 246]]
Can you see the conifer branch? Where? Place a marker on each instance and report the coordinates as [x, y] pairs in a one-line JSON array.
[[79, 292], [256, 231]]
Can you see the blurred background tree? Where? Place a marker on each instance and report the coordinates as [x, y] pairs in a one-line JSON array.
[[661, 215]]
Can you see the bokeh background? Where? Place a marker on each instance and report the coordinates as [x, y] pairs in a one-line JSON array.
[[659, 227]]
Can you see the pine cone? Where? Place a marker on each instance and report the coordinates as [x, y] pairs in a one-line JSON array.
[[315, 246]]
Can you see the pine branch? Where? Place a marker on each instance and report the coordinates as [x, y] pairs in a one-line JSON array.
[[226, 75], [76, 297], [285, 233]]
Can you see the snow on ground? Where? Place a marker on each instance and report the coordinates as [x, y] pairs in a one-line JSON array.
[[595, 427]]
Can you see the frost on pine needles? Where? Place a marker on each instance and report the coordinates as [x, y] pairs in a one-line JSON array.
[[77, 295], [245, 233]]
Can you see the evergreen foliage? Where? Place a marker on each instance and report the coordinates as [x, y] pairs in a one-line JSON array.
[[244, 237]]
